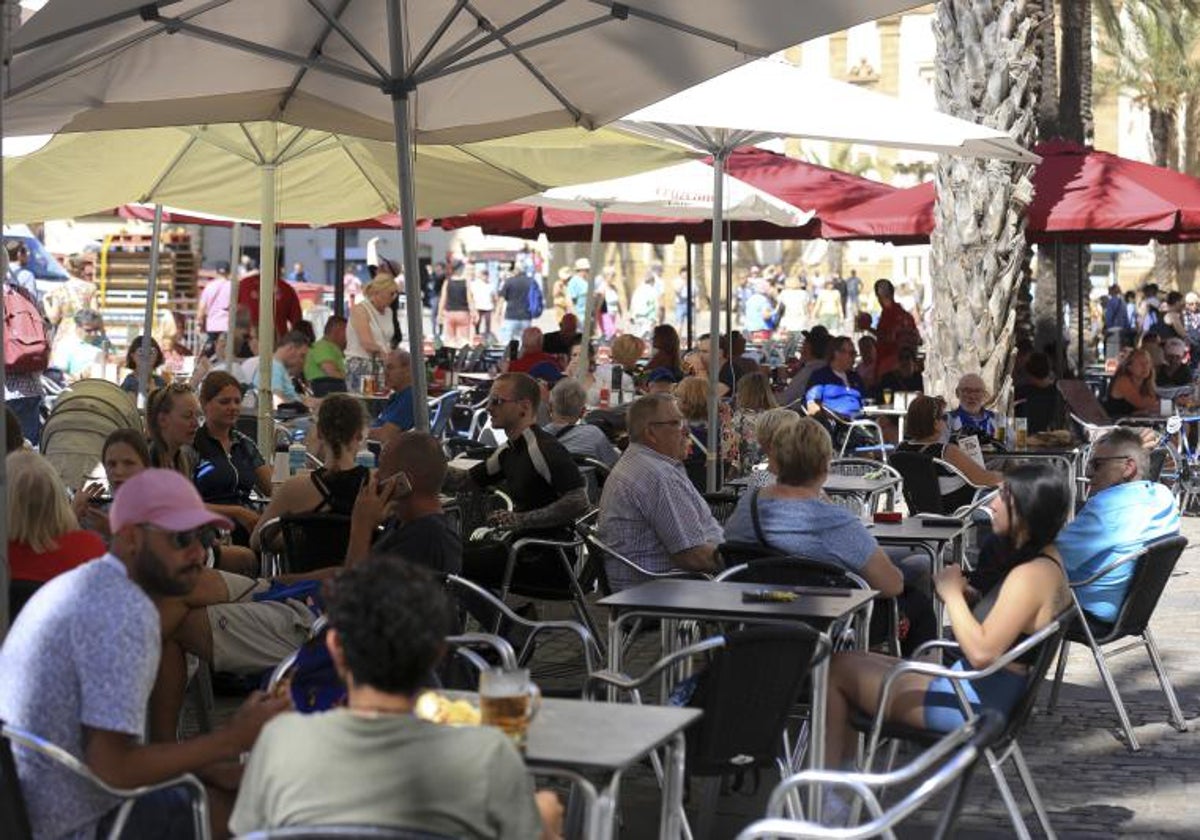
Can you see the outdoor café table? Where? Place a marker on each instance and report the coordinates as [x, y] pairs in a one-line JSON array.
[[580, 738], [477, 377], [857, 486], [932, 539], [875, 411], [706, 600]]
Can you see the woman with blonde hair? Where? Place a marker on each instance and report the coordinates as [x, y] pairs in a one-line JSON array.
[[754, 396], [692, 395], [44, 537], [372, 332]]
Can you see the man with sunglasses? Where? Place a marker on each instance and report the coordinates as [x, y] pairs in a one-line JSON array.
[[78, 666], [1124, 511], [546, 487]]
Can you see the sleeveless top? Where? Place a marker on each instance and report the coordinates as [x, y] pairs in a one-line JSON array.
[[338, 489], [955, 491], [382, 330], [988, 601], [456, 295]]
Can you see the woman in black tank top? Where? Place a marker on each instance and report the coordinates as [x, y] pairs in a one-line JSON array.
[[340, 431], [1031, 590]]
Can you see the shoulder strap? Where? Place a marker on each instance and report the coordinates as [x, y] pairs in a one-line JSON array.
[[318, 480], [758, 531], [563, 431]]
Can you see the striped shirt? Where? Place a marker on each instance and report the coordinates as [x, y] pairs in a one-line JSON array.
[[650, 510]]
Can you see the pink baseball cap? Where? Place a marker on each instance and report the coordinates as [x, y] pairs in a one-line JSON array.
[[163, 498]]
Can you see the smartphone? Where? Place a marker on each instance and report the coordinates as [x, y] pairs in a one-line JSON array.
[[396, 486]]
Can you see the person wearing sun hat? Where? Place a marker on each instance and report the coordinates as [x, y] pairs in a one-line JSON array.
[[87, 647]]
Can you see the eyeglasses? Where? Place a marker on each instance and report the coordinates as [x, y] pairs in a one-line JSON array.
[[680, 424], [495, 399], [180, 540]]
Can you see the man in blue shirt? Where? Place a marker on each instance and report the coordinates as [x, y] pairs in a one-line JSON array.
[[836, 386], [286, 363], [397, 415], [578, 285], [1124, 511]]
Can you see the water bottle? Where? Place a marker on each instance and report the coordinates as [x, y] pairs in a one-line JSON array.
[[365, 458], [297, 457]]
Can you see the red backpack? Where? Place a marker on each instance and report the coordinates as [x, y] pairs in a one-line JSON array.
[[26, 345]]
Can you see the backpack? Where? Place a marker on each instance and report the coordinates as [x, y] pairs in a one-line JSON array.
[[536, 301], [26, 344]]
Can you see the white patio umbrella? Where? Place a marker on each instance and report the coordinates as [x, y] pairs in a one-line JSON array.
[[684, 191], [418, 71], [771, 98], [280, 173]]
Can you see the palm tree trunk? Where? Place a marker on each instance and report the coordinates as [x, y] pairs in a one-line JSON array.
[[1164, 133], [1043, 311], [987, 72], [1190, 261]]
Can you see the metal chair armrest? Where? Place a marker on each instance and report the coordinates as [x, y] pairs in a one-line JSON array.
[[631, 684], [935, 644], [1108, 567], [464, 641]]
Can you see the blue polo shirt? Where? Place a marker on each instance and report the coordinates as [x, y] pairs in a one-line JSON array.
[[398, 411]]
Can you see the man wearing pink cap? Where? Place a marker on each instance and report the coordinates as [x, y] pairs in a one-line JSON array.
[[79, 663]]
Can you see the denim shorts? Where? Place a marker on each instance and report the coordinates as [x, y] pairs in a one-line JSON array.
[[999, 692]]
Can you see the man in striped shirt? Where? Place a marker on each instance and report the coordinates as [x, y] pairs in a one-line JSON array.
[[650, 513]]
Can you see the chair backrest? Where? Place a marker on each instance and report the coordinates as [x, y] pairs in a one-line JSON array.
[[14, 818], [746, 693], [595, 473], [19, 593], [722, 504], [922, 492], [313, 541], [474, 508], [443, 407], [1081, 401], [1052, 641], [1150, 575]]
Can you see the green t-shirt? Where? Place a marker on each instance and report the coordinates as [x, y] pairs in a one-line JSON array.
[[323, 350], [337, 767]]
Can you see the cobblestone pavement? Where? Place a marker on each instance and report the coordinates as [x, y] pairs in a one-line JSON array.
[[1093, 786]]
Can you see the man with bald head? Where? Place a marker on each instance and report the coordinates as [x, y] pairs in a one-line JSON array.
[[971, 419], [397, 416], [532, 353], [560, 342], [650, 513], [404, 497]]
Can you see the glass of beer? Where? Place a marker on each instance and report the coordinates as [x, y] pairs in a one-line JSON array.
[[508, 700]]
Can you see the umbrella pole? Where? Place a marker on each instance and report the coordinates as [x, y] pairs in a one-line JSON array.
[[589, 306], [1084, 294], [1060, 349], [691, 285], [339, 272], [8, 10], [266, 316], [235, 280], [408, 207], [145, 352], [714, 336]]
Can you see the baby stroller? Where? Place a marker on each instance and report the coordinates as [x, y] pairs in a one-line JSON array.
[[84, 415]]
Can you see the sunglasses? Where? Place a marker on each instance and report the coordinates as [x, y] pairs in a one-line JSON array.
[[498, 400], [207, 535]]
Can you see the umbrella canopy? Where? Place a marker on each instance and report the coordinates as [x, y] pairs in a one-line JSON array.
[[1080, 195], [797, 182], [176, 216], [719, 110], [488, 68], [321, 177], [681, 191]]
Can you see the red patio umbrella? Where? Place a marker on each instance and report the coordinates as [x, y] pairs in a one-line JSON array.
[[801, 184], [1080, 195]]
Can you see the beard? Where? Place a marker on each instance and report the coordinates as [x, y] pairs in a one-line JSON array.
[[157, 581]]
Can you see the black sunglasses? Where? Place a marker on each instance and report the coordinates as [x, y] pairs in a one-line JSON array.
[[180, 540]]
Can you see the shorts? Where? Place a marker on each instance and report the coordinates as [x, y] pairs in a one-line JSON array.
[[163, 815], [999, 692], [251, 636]]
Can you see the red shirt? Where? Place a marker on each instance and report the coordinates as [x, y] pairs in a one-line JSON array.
[[287, 303], [74, 549], [528, 362], [895, 329]]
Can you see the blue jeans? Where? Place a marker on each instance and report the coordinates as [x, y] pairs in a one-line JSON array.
[[163, 815], [29, 414], [510, 329]]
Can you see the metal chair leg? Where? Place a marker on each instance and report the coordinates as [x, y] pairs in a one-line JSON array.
[[1177, 719], [1111, 686], [1063, 650], [1031, 791], [1010, 802]]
